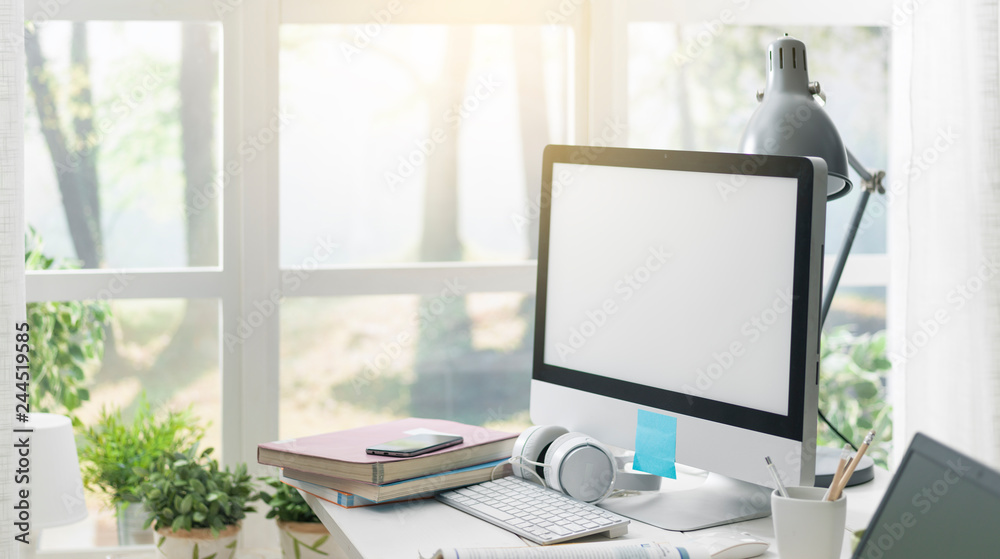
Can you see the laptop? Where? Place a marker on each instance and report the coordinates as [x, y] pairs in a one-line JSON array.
[[940, 503]]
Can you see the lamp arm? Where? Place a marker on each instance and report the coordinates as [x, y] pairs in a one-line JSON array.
[[858, 167], [870, 182]]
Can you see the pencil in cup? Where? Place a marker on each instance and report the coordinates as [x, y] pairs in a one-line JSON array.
[[849, 469], [845, 457]]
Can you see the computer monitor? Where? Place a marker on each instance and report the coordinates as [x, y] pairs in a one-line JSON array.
[[686, 284]]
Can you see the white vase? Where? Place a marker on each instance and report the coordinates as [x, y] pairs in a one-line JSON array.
[[196, 544], [307, 540]]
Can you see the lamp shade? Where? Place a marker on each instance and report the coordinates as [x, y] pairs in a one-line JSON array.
[[55, 487], [789, 121]]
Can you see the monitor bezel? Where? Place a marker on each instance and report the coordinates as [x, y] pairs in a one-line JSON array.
[[790, 426]]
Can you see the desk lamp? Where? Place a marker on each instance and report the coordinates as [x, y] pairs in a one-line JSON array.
[[789, 121], [55, 487]]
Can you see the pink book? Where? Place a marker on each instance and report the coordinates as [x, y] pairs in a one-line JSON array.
[[342, 453]]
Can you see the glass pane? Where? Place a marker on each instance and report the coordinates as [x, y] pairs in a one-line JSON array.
[[165, 348], [860, 309], [421, 144], [353, 361], [686, 95], [121, 172]]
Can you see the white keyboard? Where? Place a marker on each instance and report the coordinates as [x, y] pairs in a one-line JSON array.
[[531, 511]]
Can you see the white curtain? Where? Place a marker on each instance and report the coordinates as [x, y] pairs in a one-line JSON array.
[[944, 238], [11, 243]]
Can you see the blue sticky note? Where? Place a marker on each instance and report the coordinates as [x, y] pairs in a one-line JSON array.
[[656, 444]]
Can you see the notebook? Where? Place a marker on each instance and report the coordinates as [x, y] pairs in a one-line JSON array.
[[940, 503], [341, 454]]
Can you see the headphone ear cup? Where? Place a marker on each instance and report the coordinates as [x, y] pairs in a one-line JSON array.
[[533, 444], [581, 467]]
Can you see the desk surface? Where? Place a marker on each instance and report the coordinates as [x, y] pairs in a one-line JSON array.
[[421, 527]]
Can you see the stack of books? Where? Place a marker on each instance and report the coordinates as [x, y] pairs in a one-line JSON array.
[[335, 467]]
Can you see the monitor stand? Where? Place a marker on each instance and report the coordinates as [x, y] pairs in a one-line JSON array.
[[720, 500]]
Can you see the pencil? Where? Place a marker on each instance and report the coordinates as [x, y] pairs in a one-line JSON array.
[[853, 465], [845, 456]]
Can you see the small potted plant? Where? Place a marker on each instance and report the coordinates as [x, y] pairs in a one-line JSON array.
[[195, 506], [114, 448], [302, 534]]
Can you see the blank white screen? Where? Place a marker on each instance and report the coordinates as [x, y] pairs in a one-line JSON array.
[[713, 318]]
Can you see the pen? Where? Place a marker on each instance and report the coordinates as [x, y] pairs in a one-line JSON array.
[[774, 476], [845, 456], [851, 467]]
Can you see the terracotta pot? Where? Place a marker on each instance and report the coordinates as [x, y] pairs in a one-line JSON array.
[[196, 544], [308, 540]]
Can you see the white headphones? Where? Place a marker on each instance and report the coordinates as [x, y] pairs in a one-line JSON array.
[[575, 464]]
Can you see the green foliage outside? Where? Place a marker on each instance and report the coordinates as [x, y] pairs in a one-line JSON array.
[[852, 391], [67, 337], [287, 504], [187, 491], [115, 450]]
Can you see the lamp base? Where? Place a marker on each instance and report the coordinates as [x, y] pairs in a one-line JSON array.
[[827, 459]]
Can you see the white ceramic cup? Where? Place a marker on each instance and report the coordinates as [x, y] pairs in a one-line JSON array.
[[806, 526]]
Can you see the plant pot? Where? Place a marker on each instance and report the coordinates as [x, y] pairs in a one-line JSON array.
[[196, 544], [307, 540], [130, 521]]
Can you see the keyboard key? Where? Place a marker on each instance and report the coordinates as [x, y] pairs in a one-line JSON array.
[[491, 511]]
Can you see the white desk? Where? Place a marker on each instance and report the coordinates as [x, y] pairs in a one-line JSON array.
[[406, 530]]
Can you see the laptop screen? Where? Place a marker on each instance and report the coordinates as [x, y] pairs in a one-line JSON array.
[[940, 504]]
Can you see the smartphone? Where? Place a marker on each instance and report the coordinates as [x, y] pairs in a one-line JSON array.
[[414, 446]]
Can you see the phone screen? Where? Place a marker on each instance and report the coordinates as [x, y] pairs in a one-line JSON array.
[[415, 445]]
